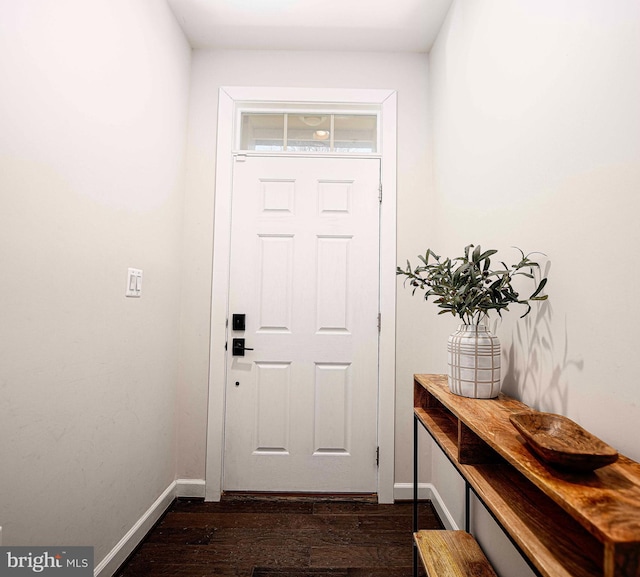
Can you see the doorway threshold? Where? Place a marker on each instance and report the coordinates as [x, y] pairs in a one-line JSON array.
[[293, 496]]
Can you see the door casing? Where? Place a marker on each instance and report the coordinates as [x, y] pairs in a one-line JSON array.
[[229, 99]]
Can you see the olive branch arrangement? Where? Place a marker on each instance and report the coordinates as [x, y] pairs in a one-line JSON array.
[[467, 287]]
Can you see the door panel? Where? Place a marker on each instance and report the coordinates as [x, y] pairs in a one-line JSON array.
[[301, 407]]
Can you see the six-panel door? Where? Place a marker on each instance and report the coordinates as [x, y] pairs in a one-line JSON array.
[[301, 407]]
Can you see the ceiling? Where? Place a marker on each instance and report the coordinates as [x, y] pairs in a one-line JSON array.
[[343, 25]]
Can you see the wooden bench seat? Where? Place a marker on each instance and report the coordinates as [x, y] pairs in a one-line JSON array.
[[452, 554]]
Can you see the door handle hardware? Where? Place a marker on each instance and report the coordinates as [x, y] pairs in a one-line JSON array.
[[238, 348], [238, 322]]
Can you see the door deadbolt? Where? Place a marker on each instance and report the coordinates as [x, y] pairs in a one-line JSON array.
[[238, 322], [238, 348]]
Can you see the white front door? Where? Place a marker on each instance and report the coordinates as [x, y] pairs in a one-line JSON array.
[[301, 406]]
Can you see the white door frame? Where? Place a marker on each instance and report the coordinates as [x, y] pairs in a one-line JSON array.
[[228, 98]]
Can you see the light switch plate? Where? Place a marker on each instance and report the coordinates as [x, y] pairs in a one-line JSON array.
[[134, 282]]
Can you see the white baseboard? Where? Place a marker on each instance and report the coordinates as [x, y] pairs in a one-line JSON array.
[[404, 492], [118, 555], [193, 488], [443, 512]]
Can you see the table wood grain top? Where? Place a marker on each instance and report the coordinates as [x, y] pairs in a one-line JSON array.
[[605, 501]]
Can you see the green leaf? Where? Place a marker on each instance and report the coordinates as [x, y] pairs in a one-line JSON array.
[[528, 309], [487, 253], [542, 284]]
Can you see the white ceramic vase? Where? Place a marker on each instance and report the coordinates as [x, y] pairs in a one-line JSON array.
[[474, 362]]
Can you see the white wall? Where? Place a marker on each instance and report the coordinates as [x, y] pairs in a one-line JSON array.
[[405, 73], [536, 121], [536, 117], [93, 110]]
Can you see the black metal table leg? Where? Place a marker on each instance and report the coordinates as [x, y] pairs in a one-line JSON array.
[[415, 493], [467, 507]]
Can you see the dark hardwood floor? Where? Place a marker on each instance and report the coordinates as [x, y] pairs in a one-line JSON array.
[[281, 536]]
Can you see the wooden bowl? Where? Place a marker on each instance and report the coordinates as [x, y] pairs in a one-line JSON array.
[[562, 443]]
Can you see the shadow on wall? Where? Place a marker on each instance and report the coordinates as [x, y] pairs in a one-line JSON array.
[[533, 372]]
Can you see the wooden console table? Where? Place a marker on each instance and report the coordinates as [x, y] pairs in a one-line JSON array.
[[564, 524]]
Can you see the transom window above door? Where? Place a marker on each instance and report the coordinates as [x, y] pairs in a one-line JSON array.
[[309, 132]]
